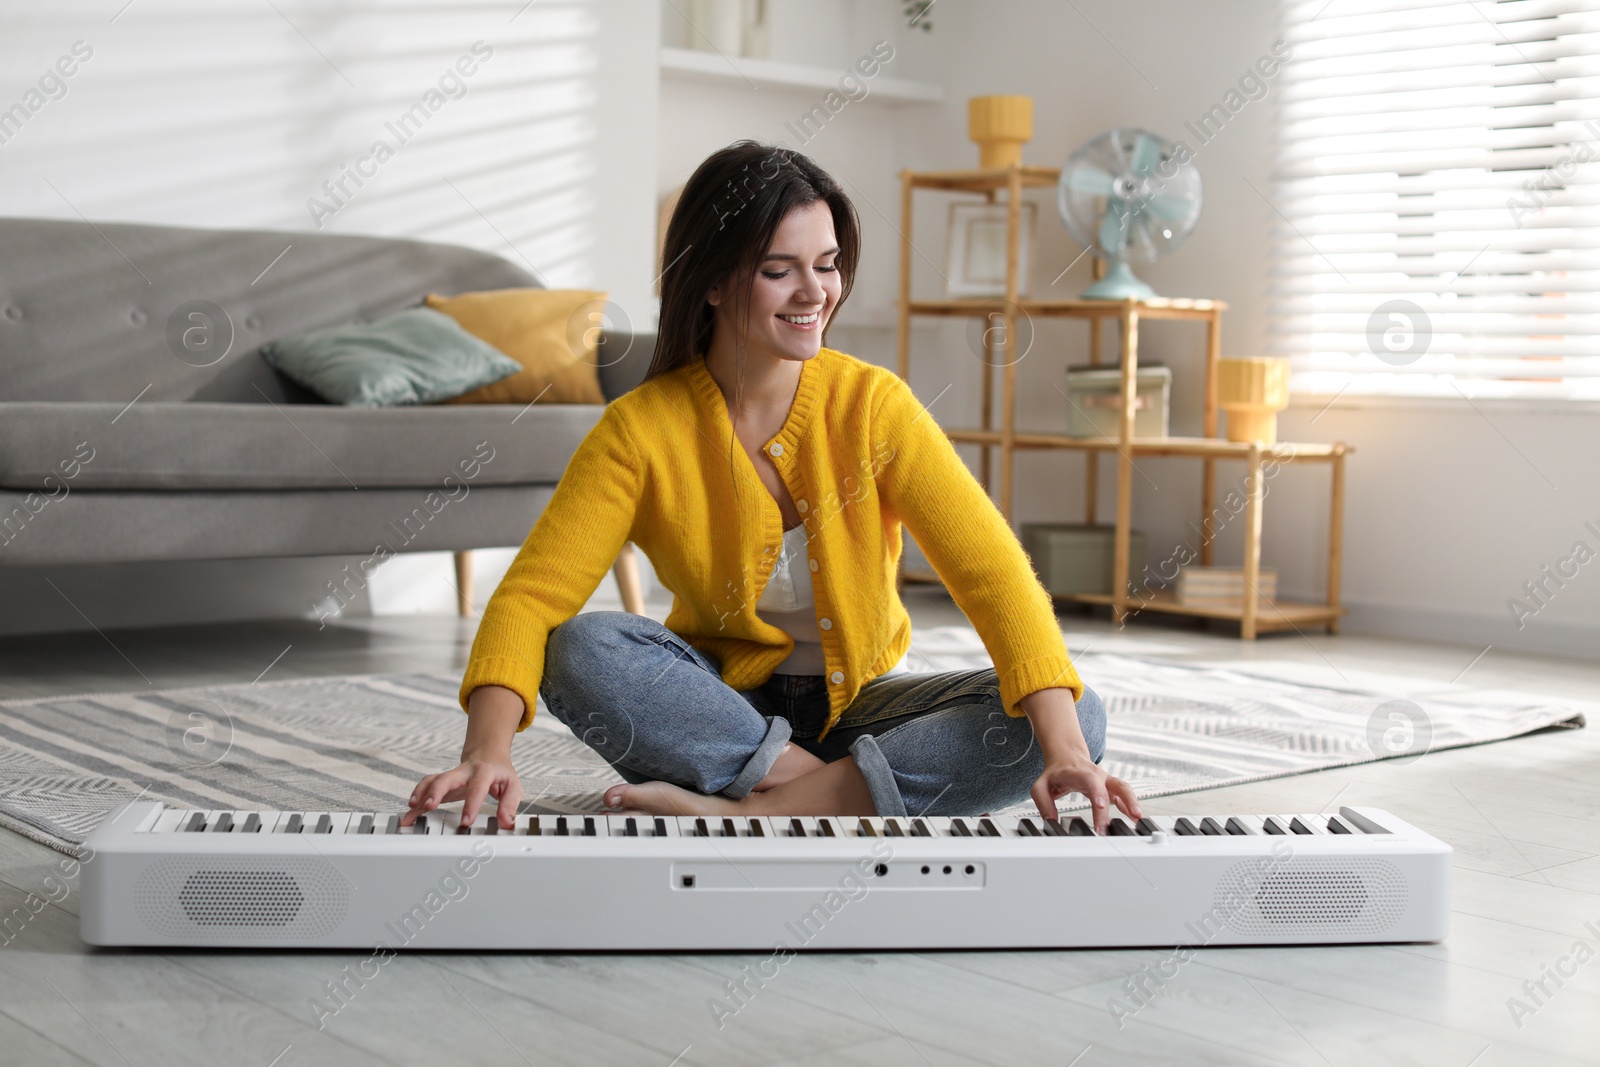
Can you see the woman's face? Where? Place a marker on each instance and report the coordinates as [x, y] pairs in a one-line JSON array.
[[794, 289]]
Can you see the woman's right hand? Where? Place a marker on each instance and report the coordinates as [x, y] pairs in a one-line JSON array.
[[476, 777]]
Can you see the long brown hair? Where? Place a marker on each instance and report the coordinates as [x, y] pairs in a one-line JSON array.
[[721, 228]]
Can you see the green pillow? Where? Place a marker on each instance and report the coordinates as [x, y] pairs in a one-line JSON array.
[[416, 356]]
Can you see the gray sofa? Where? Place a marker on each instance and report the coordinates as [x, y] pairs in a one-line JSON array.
[[139, 422]]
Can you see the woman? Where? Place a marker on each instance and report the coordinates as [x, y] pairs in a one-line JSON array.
[[767, 478]]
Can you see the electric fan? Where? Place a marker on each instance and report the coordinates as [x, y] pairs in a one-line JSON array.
[[1128, 196]]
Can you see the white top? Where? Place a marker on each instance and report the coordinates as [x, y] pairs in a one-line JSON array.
[[788, 604]]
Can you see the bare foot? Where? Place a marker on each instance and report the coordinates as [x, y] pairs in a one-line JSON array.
[[663, 798]]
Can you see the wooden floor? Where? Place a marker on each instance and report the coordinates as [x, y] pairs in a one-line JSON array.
[[1522, 816]]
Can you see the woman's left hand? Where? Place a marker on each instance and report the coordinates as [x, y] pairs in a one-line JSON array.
[[1080, 774]]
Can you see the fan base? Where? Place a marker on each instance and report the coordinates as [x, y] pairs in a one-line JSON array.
[[1118, 284]]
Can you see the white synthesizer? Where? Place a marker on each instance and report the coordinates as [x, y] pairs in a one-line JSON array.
[[154, 875]]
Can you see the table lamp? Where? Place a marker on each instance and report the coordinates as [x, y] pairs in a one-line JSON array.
[[1252, 390]]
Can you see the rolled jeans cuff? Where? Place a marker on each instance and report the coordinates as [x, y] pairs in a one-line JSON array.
[[874, 767], [762, 759]]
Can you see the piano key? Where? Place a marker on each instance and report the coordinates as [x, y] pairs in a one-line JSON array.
[[797, 828], [533, 826], [757, 827], [1210, 826], [701, 829], [1054, 828], [561, 826], [364, 826], [1026, 828], [422, 825], [1307, 825], [1337, 827], [195, 822], [1235, 825], [891, 828], [295, 824], [631, 827], [391, 825], [222, 824], [324, 824], [987, 828], [825, 824], [252, 824], [1184, 826], [728, 828], [958, 828], [1078, 828], [1272, 826], [1146, 826], [659, 826], [919, 828], [1118, 828], [588, 826], [865, 829]]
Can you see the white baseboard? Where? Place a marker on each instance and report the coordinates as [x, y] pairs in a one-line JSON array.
[[1549, 638]]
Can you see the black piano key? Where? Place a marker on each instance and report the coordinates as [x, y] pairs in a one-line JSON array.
[[1234, 826], [324, 824], [701, 829], [1337, 827], [1299, 827], [493, 825], [365, 825], [1078, 828], [630, 828], [224, 823], [661, 826], [958, 828], [464, 824], [1184, 826], [797, 828], [561, 826], [1208, 825], [533, 826], [756, 829], [1119, 828], [728, 829], [252, 824], [1271, 825], [891, 828], [195, 823], [827, 827], [920, 829], [1026, 828], [420, 826], [392, 825], [1054, 828], [987, 828], [296, 824], [588, 826], [1146, 826], [864, 829]]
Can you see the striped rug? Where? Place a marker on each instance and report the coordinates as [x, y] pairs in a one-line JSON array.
[[361, 743]]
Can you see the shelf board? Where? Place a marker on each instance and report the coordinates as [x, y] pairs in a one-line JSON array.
[[1159, 307], [1270, 614], [984, 180], [1152, 446], [694, 65]]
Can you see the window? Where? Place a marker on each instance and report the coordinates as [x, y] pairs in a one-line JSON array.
[[1438, 189]]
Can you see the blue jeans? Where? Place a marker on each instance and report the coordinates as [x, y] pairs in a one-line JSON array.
[[656, 708]]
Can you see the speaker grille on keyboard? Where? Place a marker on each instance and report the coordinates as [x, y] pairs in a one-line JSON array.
[[1305, 896], [270, 899]]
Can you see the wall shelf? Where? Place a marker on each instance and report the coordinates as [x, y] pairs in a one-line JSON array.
[[694, 65]]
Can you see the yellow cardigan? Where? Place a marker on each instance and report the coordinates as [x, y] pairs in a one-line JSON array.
[[859, 455]]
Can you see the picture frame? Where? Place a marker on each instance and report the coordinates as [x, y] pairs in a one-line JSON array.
[[976, 252]]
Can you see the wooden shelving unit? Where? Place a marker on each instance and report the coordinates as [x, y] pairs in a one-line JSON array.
[[1254, 616]]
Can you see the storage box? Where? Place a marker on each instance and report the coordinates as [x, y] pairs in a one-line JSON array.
[[1073, 559], [1096, 401]]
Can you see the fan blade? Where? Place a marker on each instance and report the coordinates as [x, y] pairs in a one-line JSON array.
[[1114, 227], [1091, 181], [1169, 208], [1146, 154]]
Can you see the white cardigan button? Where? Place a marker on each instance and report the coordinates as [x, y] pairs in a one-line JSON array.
[[803, 506], [813, 564], [777, 449], [837, 677], [826, 624]]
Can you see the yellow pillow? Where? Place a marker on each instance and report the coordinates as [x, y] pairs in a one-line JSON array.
[[549, 331]]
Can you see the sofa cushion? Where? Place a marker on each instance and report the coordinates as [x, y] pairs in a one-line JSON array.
[[415, 356], [209, 446], [552, 333]]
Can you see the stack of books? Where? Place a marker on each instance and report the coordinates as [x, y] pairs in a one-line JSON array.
[[1221, 585]]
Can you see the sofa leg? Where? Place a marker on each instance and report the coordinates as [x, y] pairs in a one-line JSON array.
[[627, 571], [464, 584]]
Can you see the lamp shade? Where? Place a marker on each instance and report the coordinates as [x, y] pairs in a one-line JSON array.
[[1252, 390], [1000, 125]]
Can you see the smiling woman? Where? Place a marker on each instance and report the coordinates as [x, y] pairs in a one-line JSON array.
[[767, 477]]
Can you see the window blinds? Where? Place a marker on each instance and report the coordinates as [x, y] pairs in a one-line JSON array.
[[1437, 188]]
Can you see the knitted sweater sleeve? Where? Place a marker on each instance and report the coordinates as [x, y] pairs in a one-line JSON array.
[[572, 545], [927, 486]]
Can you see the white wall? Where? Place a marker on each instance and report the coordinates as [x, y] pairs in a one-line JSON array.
[[1450, 508], [190, 112]]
